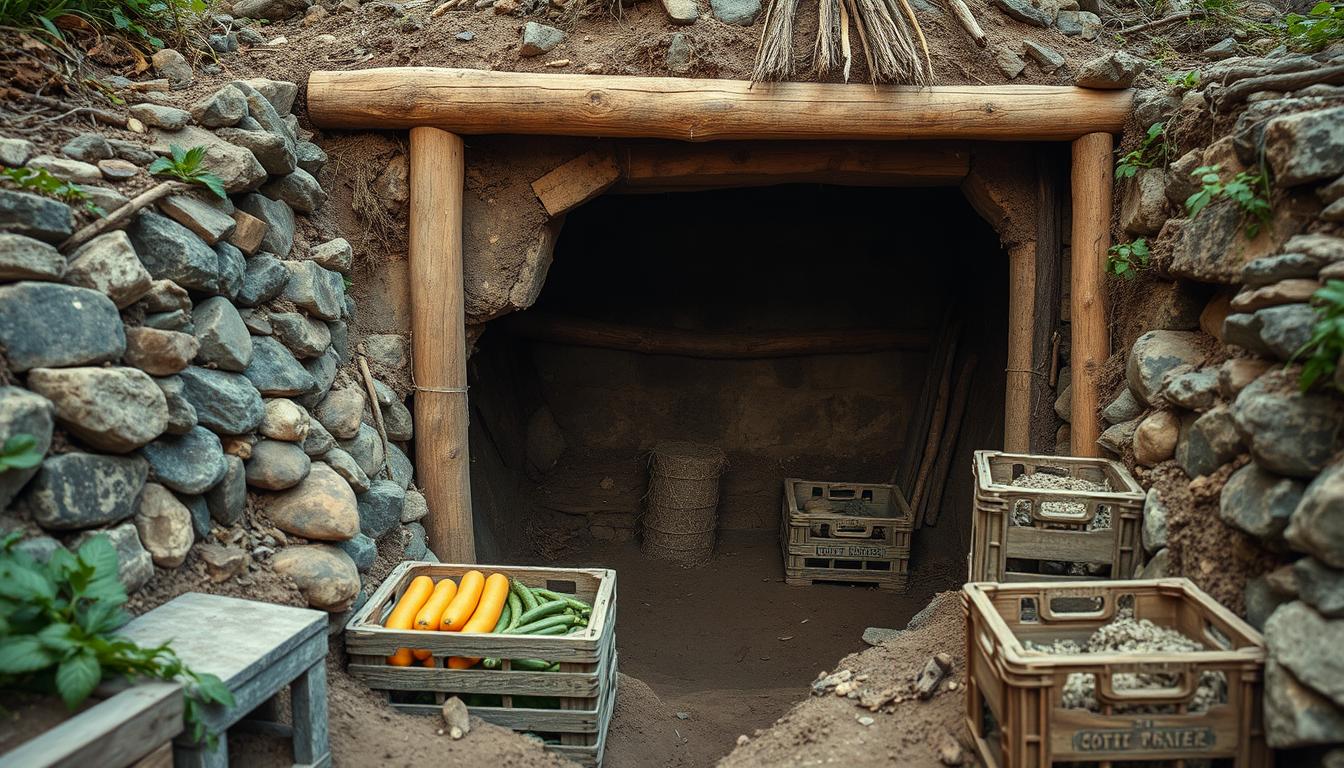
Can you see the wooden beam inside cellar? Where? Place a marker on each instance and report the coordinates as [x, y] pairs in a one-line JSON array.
[[473, 101]]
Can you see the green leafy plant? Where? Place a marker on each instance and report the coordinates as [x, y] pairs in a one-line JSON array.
[[41, 181], [1126, 259], [1248, 189], [144, 22], [185, 165], [1321, 26], [1151, 151], [19, 452], [1323, 349], [1187, 81], [57, 623]]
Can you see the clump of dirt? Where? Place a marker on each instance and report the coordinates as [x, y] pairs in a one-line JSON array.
[[643, 731], [1201, 547], [831, 730]]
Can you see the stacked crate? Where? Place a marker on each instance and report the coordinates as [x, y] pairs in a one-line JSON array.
[[845, 532]]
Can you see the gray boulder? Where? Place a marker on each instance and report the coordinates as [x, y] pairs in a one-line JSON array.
[[224, 340], [366, 448], [135, 567], [1295, 715], [1306, 146], [1287, 431], [225, 402], [263, 280], [319, 291], [276, 465], [275, 372], [170, 251], [33, 216], [23, 258], [1317, 525], [82, 490], [299, 189], [302, 335], [190, 463], [181, 413], [380, 508], [1320, 586], [321, 507], [1154, 354], [48, 325], [22, 413], [541, 38], [1307, 645], [279, 218], [362, 550], [228, 499], [1208, 441], [1260, 503], [1154, 533], [115, 410]]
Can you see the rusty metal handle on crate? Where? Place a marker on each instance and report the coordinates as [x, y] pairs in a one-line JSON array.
[[1183, 691]]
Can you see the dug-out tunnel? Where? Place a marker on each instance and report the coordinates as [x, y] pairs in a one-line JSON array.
[[798, 328]]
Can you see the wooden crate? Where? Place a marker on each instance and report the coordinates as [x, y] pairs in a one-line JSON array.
[[828, 546], [1004, 552], [585, 684], [1014, 696], [131, 726]]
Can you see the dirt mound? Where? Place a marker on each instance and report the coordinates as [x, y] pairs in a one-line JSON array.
[[827, 729], [644, 731]]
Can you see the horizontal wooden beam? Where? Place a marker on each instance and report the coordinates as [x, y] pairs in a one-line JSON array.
[[665, 167], [473, 101], [717, 345]]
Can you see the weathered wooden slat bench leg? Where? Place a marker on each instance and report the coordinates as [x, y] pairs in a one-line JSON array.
[[308, 705], [201, 756]]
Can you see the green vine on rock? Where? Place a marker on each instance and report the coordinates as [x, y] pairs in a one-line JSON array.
[[57, 625], [1248, 189], [1126, 259], [1152, 150]]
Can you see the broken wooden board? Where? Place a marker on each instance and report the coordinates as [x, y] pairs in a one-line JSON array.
[[577, 181]]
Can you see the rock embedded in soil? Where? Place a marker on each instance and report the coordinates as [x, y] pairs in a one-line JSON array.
[[34, 216], [285, 420], [164, 525], [274, 152], [47, 325], [1155, 438], [319, 440], [15, 152], [324, 574], [224, 107], [346, 466], [389, 350], [397, 421], [276, 465], [279, 93], [1143, 209], [192, 463], [73, 171], [539, 39], [1289, 291], [1114, 70], [362, 551], [1306, 644], [366, 448], [341, 412], [199, 511], [275, 372], [88, 147], [1194, 390], [227, 500], [170, 251], [679, 54], [1154, 354], [321, 507], [135, 567], [173, 66], [1295, 715], [1045, 56], [932, 675], [236, 167], [1273, 331], [1154, 533], [743, 13], [223, 562], [158, 352], [23, 258], [417, 544], [1123, 408], [1025, 12], [1287, 431], [82, 490], [1238, 373], [1317, 524], [1208, 441], [1268, 270], [22, 412], [336, 255], [110, 409], [225, 402], [414, 508], [1260, 503], [1320, 586], [263, 280], [681, 12], [380, 508], [1305, 147], [1008, 62], [302, 335], [310, 157], [1078, 24], [108, 264], [299, 189], [160, 116], [1117, 437]]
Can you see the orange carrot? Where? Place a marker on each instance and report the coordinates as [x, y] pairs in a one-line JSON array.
[[428, 661], [428, 617], [491, 605], [459, 611], [412, 600]]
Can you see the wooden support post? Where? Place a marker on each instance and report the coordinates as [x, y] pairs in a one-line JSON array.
[[439, 342], [1091, 185], [1021, 323]]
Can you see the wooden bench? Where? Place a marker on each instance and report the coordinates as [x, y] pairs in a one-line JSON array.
[[257, 649]]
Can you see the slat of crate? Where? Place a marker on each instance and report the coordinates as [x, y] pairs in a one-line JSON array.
[[591, 755], [520, 719], [1214, 731], [1053, 544], [392, 678]]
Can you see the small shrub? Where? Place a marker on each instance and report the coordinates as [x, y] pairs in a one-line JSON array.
[[1126, 259], [1248, 189], [1152, 150], [1320, 27], [19, 452], [1322, 350], [145, 22], [1188, 81], [185, 165], [57, 624]]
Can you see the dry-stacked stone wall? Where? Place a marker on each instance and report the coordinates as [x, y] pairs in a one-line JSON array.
[[189, 376], [1243, 463]]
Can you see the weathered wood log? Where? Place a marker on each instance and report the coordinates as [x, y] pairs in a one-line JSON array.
[[470, 101], [1021, 323], [1091, 183], [439, 350], [714, 345], [1050, 180], [122, 216], [1287, 81], [968, 22], [577, 181], [661, 167], [931, 441]]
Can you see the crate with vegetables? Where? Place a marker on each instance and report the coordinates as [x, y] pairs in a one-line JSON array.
[[532, 649]]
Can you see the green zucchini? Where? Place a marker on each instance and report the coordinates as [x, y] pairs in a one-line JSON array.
[[542, 611], [525, 594], [550, 621], [530, 665]]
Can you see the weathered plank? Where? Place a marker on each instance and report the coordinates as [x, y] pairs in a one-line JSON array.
[[116, 732], [577, 181]]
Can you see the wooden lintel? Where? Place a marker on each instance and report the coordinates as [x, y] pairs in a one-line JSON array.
[[576, 182], [471, 101], [665, 167], [717, 345]]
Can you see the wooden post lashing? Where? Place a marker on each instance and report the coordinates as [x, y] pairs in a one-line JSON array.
[[1021, 325], [439, 341], [1091, 191]]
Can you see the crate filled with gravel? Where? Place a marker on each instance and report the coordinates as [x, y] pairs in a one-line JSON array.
[[1152, 673], [1039, 518]]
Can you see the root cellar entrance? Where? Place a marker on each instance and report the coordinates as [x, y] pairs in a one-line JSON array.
[[738, 318]]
